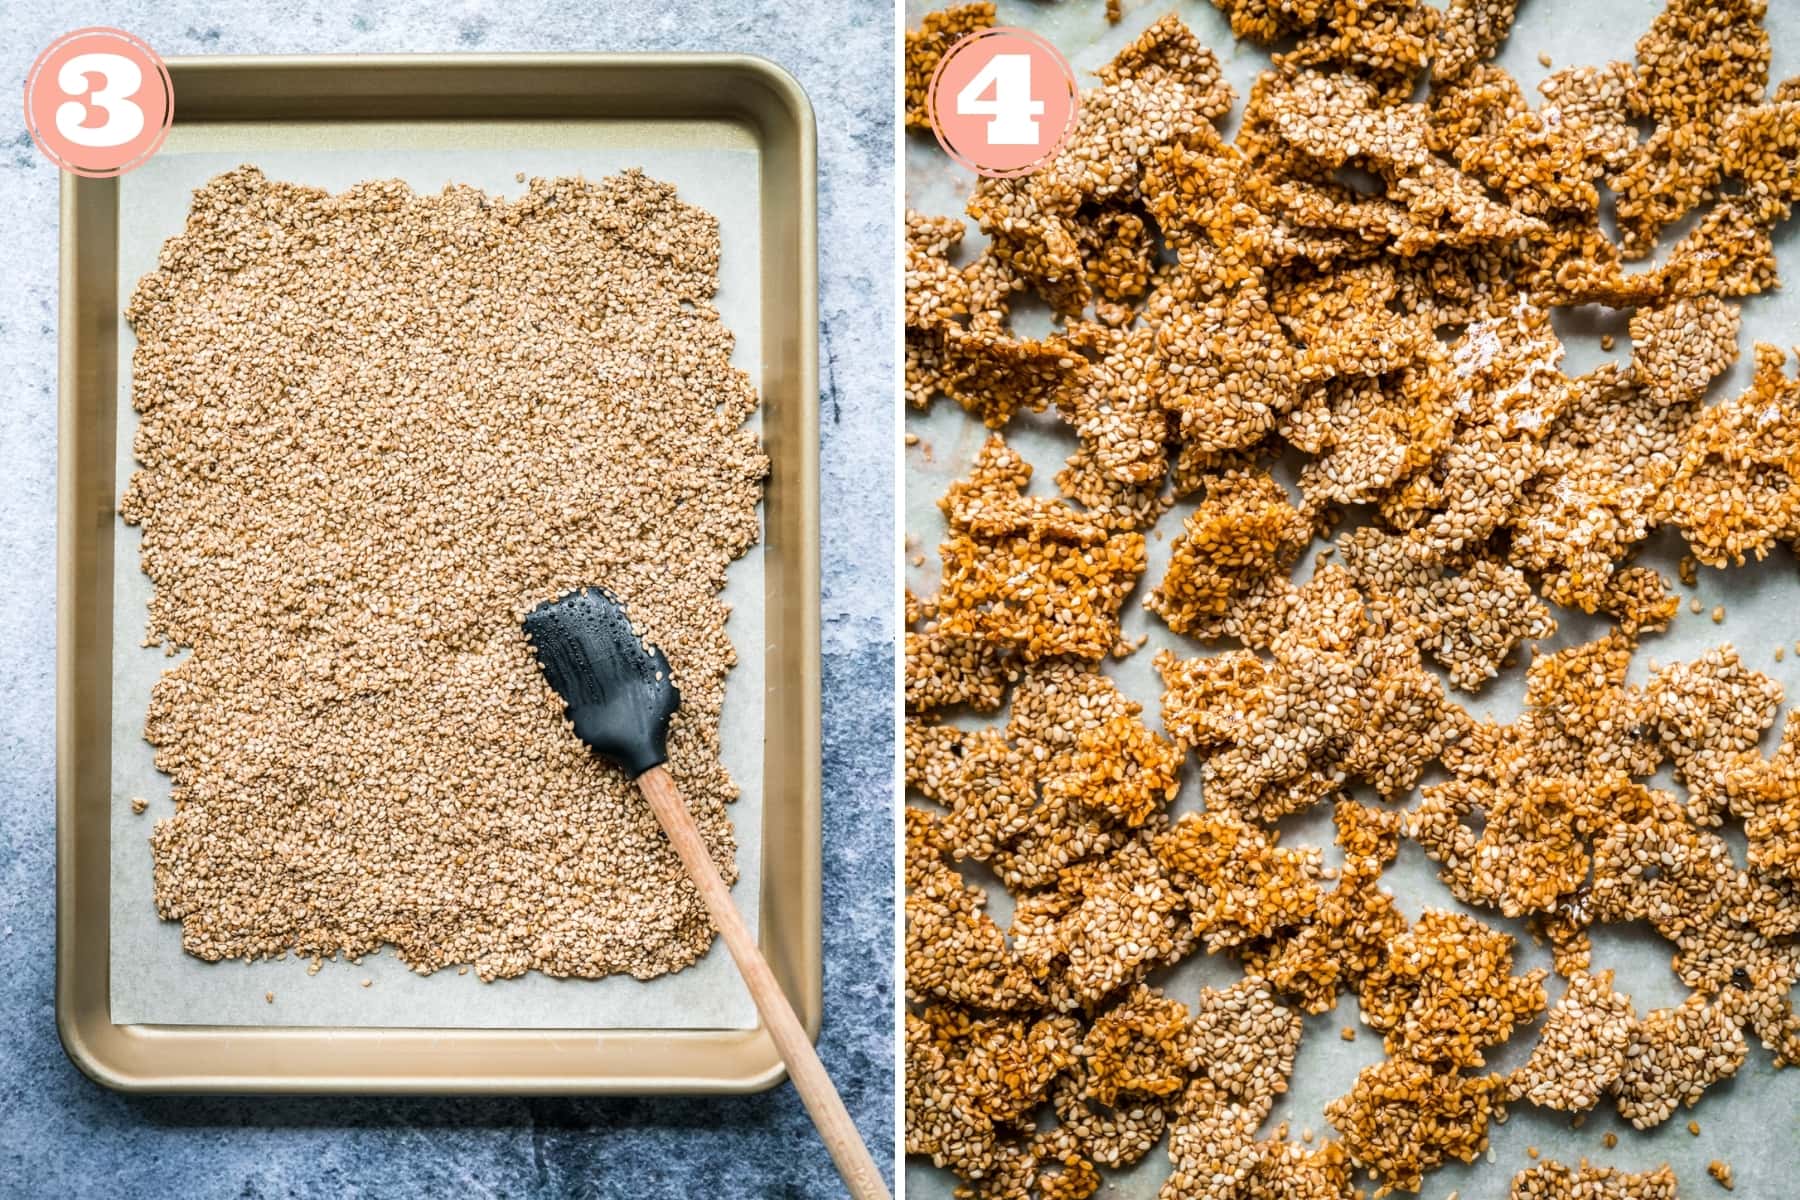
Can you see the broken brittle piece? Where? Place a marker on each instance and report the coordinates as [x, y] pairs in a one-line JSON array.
[[1676, 1054], [1700, 60], [1582, 1048], [926, 45], [1554, 1181], [954, 951], [1237, 883], [1403, 1118], [1243, 530], [1448, 991], [1244, 1040], [1134, 1049], [972, 1082], [1767, 795], [1031, 576], [1468, 622], [1734, 490], [1709, 712]]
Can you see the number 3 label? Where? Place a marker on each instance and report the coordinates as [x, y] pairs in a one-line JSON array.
[[1001, 101], [120, 80], [98, 102]]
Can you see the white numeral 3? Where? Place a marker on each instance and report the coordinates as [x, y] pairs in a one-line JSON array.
[[120, 79]]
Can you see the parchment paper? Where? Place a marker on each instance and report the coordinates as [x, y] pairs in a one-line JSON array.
[[1751, 1121], [712, 165]]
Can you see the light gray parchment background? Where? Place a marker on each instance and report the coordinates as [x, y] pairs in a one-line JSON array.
[[712, 165], [1752, 1121]]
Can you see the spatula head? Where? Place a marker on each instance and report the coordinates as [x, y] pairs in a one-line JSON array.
[[619, 692]]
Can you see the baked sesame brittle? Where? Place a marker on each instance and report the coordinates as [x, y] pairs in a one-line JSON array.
[[1334, 345]]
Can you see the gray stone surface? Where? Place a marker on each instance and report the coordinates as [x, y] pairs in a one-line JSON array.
[[61, 1135]]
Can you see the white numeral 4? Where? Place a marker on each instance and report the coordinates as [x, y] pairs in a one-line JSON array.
[[1012, 113]]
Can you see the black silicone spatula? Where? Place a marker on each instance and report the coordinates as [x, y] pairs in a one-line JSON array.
[[621, 696]]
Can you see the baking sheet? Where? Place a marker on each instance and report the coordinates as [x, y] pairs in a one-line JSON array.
[[1751, 1121], [152, 979]]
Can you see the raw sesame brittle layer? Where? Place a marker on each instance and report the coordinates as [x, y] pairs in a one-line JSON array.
[[1362, 282], [375, 429]]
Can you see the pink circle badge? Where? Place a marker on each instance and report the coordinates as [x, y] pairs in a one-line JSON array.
[[98, 102], [1002, 101]]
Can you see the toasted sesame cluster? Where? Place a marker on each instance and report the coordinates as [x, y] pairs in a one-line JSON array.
[[1339, 326], [376, 429], [1554, 1181], [925, 47]]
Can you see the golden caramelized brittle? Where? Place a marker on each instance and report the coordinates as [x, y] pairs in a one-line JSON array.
[[1243, 531], [1470, 33], [972, 1082], [1554, 1181], [1368, 434], [1344, 943], [954, 951], [1709, 712], [1766, 793], [1163, 89], [1596, 497], [937, 293], [1528, 854], [988, 785], [1700, 61], [1651, 862], [1121, 769], [1734, 490], [1356, 292], [1676, 1054], [1212, 1143], [1403, 1118], [974, 362], [1108, 923], [1342, 697], [1237, 884], [1225, 370], [1581, 1049], [1117, 474], [943, 671], [1134, 1049], [1505, 386], [1760, 146], [1031, 576], [1678, 348], [1468, 622], [1265, 21], [1244, 1040], [925, 47], [1448, 991], [1388, 41]]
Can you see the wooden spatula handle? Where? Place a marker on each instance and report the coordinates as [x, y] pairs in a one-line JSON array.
[[821, 1099]]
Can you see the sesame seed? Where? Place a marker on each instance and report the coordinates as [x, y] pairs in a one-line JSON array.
[[377, 428]]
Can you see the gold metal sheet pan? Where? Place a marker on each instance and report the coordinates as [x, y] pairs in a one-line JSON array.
[[246, 104]]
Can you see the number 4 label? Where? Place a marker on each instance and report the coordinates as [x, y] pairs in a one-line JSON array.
[[1001, 101], [1012, 113]]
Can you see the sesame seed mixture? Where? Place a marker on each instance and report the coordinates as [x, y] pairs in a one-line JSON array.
[[377, 428], [925, 47], [1362, 281]]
